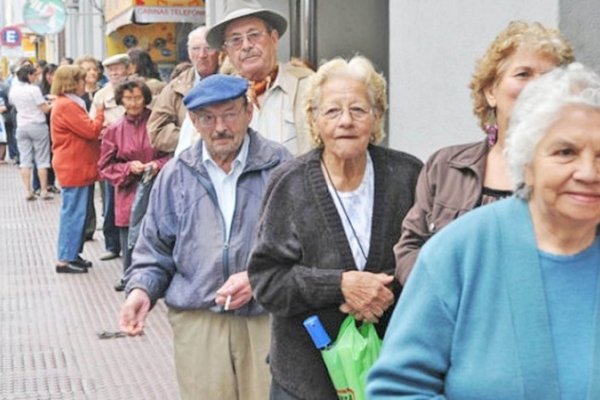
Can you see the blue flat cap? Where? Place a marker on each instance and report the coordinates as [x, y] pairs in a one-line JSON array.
[[215, 89]]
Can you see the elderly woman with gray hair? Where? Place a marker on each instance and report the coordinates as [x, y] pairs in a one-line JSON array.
[[330, 219], [504, 302]]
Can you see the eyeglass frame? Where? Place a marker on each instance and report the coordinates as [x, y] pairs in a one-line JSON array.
[[340, 111], [242, 37], [136, 99], [227, 117]]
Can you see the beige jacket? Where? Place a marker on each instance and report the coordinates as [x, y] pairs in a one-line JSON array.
[[168, 112], [281, 115], [106, 97]]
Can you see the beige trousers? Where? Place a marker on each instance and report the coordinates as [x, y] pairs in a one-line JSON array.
[[221, 356]]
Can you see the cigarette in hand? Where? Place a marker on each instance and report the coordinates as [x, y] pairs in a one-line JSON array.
[[227, 303]]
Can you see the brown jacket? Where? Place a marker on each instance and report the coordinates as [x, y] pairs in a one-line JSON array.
[[168, 112], [450, 184]]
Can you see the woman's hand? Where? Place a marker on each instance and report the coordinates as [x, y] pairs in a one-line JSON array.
[[45, 107], [136, 167], [153, 165], [367, 295]]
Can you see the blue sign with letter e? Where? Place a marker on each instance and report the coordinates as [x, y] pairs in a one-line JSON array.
[[11, 36]]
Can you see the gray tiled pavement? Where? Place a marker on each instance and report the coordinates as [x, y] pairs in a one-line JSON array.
[[48, 322]]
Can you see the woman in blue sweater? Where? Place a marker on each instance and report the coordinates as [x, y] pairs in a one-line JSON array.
[[504, 302]]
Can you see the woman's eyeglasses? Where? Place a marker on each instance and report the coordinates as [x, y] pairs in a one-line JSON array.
[[357, 113]]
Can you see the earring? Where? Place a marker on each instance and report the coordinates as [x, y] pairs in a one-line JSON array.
[[491, 128], [492, 134]]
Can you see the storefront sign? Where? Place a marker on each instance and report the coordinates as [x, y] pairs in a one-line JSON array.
[[11, 36], [45, 17], [145, 14]]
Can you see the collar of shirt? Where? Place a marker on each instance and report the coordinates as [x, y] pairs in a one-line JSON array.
[[284, 81], [226, 184]]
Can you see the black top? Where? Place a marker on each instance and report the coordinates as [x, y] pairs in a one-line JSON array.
[[489, 195]]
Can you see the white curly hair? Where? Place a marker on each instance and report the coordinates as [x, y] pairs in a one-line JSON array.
[[538, 107]]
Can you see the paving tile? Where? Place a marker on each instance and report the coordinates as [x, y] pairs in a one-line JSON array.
[[49, 322]]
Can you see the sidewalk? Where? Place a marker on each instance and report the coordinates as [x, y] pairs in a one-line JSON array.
[[49, 348]]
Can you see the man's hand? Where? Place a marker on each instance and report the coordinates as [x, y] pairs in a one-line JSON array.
[[134, 312], [367, 295], [238, 287]]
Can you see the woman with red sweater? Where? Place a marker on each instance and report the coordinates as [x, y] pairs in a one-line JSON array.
[[76, 151]]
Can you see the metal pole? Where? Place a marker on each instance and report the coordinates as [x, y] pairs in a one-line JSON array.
[[308, 31], [295, 50]]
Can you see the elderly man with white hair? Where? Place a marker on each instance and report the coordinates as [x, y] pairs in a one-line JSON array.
[[117, 70], [168, 121]]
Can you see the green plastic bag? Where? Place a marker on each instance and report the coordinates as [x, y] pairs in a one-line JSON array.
[[350, 357]]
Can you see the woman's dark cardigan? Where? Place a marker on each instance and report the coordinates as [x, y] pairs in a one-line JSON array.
[[301, 252]]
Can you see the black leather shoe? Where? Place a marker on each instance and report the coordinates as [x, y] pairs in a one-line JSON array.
[[83, 262], [71, 268], [120, 285]]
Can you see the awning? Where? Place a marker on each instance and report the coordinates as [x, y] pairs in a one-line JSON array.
[[153, 14], [120, 20]]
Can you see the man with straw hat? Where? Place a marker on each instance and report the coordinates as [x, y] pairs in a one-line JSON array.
[[249, 34]]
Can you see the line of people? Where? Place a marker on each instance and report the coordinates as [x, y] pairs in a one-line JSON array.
[[114, 115], [279, 204], [244, 242], [74, 141]]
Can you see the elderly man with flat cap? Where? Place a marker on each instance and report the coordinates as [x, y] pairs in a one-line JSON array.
[[249, 34], [117, 70], [194, 246]]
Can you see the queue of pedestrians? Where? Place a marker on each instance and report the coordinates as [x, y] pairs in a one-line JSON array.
[[251, 193]]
